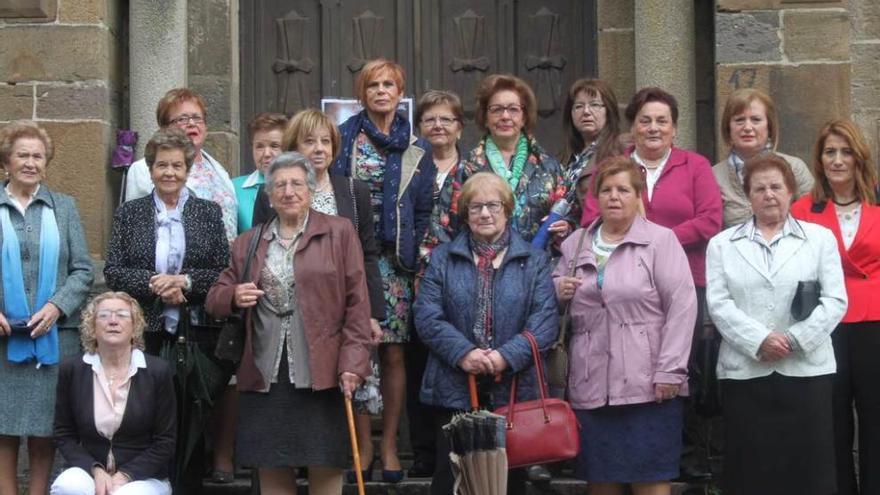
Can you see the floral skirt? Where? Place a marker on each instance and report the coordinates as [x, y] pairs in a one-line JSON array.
[[398, 290]]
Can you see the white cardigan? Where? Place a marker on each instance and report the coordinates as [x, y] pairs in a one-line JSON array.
[[746, 302]]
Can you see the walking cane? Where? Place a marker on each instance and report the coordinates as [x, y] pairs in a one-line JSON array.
[[354, 446]]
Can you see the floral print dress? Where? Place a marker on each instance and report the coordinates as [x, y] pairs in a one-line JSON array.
[[369, 167]]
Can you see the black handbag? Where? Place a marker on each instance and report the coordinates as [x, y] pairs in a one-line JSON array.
[[230, 342], [806, 298]]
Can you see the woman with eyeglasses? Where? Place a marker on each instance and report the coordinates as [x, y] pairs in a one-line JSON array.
[[481, 291], [507, 112], [184, 109], [115, 412]]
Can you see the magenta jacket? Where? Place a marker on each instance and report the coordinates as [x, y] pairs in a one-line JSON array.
[[636, 331], [687, 200]]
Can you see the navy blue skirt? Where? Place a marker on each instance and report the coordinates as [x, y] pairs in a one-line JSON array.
[[630, 444]]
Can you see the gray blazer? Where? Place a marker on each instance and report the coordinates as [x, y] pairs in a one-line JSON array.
[[75, 273]]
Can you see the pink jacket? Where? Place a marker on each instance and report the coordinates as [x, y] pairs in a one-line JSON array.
[[636, 331], [687, 200]]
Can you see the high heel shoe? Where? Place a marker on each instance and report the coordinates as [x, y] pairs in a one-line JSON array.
[[351, 476], [392, 476]]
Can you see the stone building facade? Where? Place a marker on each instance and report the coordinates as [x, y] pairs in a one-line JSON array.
[[85, 68]]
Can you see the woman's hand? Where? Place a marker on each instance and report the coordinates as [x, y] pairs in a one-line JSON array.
[[163, 282], [565, 288], [375, 332], [560, 229], [119, 479], [5, 329], [246, 295], [103, 481], [349, 382], [173, 295], [774, 347], [43, 319], [665, 391], [477, 362], [498, 362]]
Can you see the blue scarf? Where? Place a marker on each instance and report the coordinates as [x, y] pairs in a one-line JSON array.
[[22, 348], [392, 145]]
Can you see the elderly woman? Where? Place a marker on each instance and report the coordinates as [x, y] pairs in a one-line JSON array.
[[507, 112], [750, 127], [844, 200], [46, 272], [633, 309], [307, 325], [592, 129], [267, 132], [184, 109], [481, 291], [168, 248], [776, 372], [378, 148], [115, 412]]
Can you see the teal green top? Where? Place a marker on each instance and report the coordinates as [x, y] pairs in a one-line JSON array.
[[246, 188]]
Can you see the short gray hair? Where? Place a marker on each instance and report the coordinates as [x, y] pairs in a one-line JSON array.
[[170, 138], [292, 159]]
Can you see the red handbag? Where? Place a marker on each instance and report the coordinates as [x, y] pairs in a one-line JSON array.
[[539, 431]]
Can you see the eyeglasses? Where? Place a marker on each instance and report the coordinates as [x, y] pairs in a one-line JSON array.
[[593, 106], [106, 314], [513, 110], [187, 119], [294, 184], [442, 121], [492, 206]]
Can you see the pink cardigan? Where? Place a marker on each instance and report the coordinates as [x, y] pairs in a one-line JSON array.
[[687, 200]]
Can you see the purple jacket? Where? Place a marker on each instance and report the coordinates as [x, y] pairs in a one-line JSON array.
[[636, 331], [687, 200]]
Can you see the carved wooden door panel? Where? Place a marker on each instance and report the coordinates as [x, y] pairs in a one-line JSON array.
[[294, 52]]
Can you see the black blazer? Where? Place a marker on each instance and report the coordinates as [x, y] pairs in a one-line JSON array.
[[131, 252], [352, 202], [144, 443]]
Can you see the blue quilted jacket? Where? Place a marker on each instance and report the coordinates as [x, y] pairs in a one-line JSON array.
[[445, 309]]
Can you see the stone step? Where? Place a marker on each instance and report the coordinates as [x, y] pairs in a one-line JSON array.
[[421, 486]]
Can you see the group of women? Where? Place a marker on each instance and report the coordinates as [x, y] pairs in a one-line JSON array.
[[364, 237]]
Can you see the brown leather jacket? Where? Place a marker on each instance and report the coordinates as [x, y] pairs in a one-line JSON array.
[[331, 291]]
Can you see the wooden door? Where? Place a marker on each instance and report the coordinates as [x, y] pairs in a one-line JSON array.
[[294, 52]]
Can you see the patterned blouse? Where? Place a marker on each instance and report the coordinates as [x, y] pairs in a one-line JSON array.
[[207, 184], [540, 185]]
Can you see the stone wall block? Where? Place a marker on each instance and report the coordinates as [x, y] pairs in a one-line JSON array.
[[812, 35], [866, 19], [866, 75], [28, 10], [208, 23], [615, 14], [869, 123], [740, 5], [83, 11], [807, 96], [73, 101], [80, 168], [16, 101], [224, 147], [616, 67], [747, 37], [215, 91], [53, 53]]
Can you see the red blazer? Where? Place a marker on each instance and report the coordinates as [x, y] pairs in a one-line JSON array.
[[687, 200], [861, 263]]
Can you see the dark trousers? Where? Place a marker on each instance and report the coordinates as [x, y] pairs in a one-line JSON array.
[[444, 480], [857, 351], [420, 416]]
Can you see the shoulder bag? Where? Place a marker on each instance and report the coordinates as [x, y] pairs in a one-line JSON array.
[[557, 355], [230, 342], [539, 431]]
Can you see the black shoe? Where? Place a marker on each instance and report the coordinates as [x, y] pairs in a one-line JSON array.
[[351, 475], [420, 469], [538, 474]]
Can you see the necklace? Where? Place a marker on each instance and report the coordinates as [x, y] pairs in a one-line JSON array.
[[854, 201]]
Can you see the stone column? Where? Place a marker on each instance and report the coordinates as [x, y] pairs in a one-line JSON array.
[[158, 62], [664, 53]]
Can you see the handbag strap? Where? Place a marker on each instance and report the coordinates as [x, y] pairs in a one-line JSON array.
[[252, 250], [572, 268], [539, 370]]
